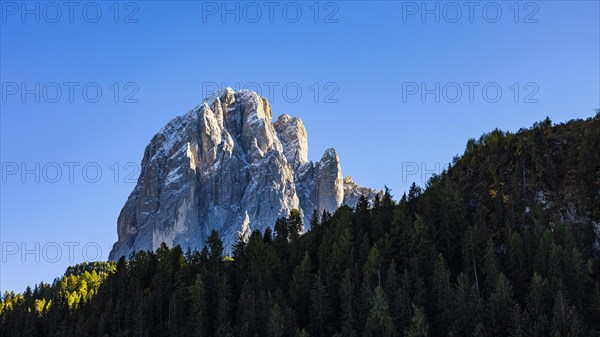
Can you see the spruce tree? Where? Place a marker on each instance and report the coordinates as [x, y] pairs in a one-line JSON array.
[[379, 323], [320, 309], [197, 305], [418, 324], [346, 305], [300, 290], [501, 304], [442, 292]]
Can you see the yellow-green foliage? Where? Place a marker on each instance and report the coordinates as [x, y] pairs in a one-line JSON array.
[[79, 285]]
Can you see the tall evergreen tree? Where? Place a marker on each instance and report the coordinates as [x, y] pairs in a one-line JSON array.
[[442, 290], [380, 322], [197, 305], [346, 308], [320, 309], [418, 326], [246, 312], [300, 289], [501, 305]]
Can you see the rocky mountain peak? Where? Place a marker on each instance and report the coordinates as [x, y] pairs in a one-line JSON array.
[[225, 165], [292, 134]]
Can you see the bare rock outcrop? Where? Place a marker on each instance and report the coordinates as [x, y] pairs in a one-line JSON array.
[[226, 166]]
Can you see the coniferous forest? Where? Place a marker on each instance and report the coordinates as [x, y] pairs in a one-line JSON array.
[[504, 242]]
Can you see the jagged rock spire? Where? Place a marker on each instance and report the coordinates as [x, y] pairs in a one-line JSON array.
[[226, 166]]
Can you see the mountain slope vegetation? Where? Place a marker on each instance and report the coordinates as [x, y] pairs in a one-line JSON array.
[[504, 242]]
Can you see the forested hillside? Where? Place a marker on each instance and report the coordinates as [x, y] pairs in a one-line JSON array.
[[502, 243]]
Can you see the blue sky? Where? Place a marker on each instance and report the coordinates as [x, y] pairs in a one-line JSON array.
[[361, 67]]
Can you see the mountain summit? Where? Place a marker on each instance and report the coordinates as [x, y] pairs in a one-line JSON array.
[[226, 166]]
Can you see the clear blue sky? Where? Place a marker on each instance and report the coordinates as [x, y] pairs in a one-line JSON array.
[[377, 56]]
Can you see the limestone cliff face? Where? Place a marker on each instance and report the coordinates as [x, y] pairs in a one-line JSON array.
[[226, 166]]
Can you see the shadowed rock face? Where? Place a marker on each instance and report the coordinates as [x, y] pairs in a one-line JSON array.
[[226, 166]]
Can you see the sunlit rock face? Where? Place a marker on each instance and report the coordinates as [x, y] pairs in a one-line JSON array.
[[226, 166]]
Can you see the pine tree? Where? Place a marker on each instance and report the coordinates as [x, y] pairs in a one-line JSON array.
[[221, 321], [362, 301], [300, 286], [565, 320], [282, 231], [215, 245], [537, 300], [362, 215], [320, 309], [392, 282], [295, 225], [472, 249], [302, 333], [379, 323], [501, 304], [464, 304], [346, 308], [443, 296], [197, 305], [520, 323], [421, 248], [314, 219], [246, 312], [418, 325], [518, 268], [268, 235], [277, 322], [401, 308], [372, 267], [490, 267]]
